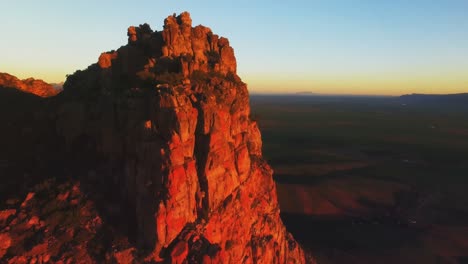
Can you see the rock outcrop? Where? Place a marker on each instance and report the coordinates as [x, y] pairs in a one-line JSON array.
[[163, 126], [30, 85]]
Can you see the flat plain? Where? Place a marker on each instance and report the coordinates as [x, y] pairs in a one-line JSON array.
[[370, 179]]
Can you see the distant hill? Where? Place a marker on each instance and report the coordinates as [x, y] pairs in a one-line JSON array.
[[57, 86], [30, 85], [305, 93], [461, 98]]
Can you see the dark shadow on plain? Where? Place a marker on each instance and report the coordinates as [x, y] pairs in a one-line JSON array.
[[329, 236]]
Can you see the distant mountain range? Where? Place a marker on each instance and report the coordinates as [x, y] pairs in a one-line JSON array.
[[306, 93], [58, 86], [461, 98]]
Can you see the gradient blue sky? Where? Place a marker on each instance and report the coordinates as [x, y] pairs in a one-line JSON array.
[[346, 47]]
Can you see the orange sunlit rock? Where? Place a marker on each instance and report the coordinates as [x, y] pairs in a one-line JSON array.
[[105, 60], [148, 124], [180, 252], [30, 85], [5, 214], [125, 256], [28, 198], [5, 243]]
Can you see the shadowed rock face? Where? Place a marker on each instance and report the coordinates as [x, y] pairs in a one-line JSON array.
[[30, 85], [163, 124]]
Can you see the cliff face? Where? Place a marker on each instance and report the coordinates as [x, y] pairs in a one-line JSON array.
[[171, 118], [30, 85], [162, 128]]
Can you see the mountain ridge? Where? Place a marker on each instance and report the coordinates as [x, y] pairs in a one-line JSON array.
[[29, 85]]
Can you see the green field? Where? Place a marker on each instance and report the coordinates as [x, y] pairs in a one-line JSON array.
[[376, 180]]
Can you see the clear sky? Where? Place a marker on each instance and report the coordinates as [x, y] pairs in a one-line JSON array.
[[346, 47]]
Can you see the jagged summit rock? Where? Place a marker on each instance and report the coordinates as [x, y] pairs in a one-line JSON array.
[[163, 125], [174, 55]]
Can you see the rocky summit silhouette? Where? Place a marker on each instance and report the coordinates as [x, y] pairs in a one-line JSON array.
[[162, 162]]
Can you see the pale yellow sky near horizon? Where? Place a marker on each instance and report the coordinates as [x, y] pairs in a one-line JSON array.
[[445, 83], [360, 84]]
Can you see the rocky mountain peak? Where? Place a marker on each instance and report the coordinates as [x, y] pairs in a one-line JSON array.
[[161, 127], [179, 50]]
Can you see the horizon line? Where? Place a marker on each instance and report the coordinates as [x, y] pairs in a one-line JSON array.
[[342, 94]]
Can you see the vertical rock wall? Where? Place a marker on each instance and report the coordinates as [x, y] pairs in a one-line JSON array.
[[170, 123]]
